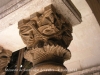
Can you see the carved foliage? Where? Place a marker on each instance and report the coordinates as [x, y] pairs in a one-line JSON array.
[[48, 27], [47, 36], [48, 53]]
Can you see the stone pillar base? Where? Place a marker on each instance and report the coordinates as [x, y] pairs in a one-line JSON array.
[[48, 68]]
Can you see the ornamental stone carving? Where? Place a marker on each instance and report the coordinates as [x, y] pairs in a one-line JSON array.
[[4, 59], [47, 36]]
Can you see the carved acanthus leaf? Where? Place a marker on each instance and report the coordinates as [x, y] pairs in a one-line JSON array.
[[47, 27], [48, 53]]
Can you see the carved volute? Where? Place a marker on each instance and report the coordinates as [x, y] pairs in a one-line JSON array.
[[47, 36]]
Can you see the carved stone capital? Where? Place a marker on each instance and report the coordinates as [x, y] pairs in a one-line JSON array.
[[47, 54], [47, 36], [4, 59], [48, 58], [48, 27]]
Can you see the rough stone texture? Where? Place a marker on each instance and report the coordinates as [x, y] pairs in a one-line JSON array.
[[68, 10], [47, 36], [11, 6], [3, 2], [48, 58], [48, 27], [47, 53], [85, 47], [4, 59], [34, 6], [24, 12]]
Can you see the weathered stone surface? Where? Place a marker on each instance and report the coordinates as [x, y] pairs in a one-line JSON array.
[[47, 36], [68, 10], [48, 59], [48, 68], [18, 9], [4, 59], [11, 6], [47, 27], [47, 53]]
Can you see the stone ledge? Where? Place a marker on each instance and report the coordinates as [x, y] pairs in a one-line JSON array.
[[8, 17], [11, 6]]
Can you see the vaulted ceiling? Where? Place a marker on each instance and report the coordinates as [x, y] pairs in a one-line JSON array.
[[4, 2], [85, 47]]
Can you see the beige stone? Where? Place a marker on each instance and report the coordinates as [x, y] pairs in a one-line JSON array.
[[4, 59]]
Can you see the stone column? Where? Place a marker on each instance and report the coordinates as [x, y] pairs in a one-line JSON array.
[[47, 36]]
